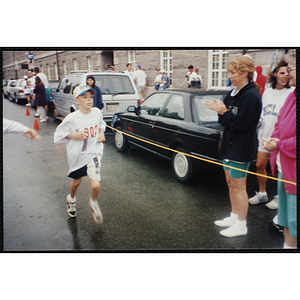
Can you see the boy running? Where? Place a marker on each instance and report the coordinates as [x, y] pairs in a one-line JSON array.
[[83, 130]]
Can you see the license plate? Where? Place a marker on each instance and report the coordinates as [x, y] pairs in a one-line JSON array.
[[112, 106]]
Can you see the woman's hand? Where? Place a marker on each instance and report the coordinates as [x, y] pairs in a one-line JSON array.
[[216, 105], [270, 144]]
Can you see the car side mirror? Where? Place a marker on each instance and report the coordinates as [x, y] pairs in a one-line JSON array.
[[131, 108]]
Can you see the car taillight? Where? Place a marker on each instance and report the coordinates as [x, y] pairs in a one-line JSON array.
[[138, 102], [20, 91], [50, 95]]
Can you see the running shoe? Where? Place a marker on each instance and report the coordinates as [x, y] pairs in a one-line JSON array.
[[96, 211], [276, 228], [273, 204], [234, 230], [258, 199], [71, 209], [226, 222]]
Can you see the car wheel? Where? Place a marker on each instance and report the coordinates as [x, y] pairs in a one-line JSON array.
[[182, 166], [121, 141]]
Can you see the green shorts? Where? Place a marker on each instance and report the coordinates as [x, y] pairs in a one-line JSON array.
[[235, 173]]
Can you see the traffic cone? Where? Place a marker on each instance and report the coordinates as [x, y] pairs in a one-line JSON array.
[[27, 113], [36, 125]]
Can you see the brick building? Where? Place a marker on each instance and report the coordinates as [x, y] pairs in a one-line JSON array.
[[212, 63]]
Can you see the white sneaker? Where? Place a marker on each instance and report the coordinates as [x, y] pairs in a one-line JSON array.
[[226, 222], [98, 218], [71, 209], [28, 104], [234, 230], [36, 115], [43, 120], [258, 199], [273, 204]]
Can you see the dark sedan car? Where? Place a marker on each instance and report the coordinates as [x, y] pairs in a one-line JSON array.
[[175, 119]]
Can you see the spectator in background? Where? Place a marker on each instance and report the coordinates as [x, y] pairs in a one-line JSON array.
[[107, 67], [112, 68], [195, 79], [140, 79], [157, 80], [40, 98], [31, 83], [260, 79], [284, 159], [164, 81], [44, 80], [128, 71], [190, 71], [272, 101], [91, 82]]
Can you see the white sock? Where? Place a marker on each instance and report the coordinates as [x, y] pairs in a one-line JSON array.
[[233, 215], [73, 199], [263, 193], [285, 246], [241, 224]]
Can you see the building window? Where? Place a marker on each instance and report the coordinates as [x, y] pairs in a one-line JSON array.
[[166, 63], [131, 58], [217, 72]]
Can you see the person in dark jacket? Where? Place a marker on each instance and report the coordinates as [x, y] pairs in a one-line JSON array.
[[91, 82], [239, 114], [40, 99]]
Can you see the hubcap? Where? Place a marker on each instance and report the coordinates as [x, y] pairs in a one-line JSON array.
[[181, 165], [119, 139]]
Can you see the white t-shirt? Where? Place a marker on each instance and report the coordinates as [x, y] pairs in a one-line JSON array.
[[272, 101], [80, 153], [130, 74], [44, 79], [32, 81], [140, 77], [10, 126], [157, 78], [195, 76]]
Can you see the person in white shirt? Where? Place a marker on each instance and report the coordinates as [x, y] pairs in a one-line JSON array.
[[10, 126], [195, 79], [83, 131], [272, 100], [128, 71], [140, 81], [31, 83]]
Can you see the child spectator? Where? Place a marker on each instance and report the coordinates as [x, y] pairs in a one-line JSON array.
[[83, 130]]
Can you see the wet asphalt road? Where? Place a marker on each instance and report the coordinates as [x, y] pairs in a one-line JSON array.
[[144, 207]]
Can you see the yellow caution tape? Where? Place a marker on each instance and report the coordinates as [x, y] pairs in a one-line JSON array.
[[200, 158]]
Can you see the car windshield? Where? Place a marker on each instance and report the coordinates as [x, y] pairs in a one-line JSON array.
[[204, 113], [114, 84]]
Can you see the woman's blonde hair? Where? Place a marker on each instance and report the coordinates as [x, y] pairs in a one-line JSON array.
[[242, 64]]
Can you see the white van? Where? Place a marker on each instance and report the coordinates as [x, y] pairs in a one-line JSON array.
[[118, 92]]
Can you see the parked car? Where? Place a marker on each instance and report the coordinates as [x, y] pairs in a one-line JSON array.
[[4, 85], [175, 119], [118, 92], [6, 90], [53, 84], [17, 92]]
